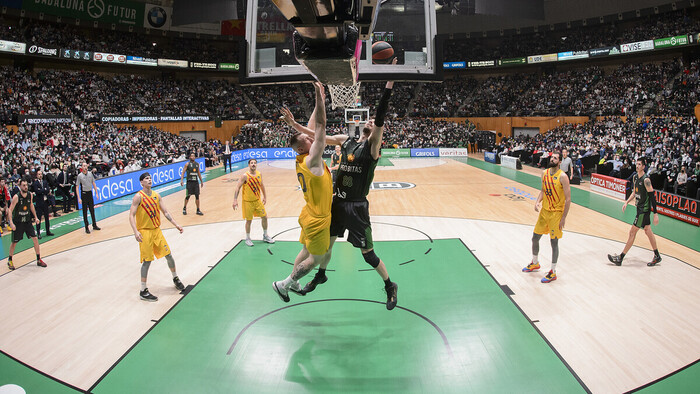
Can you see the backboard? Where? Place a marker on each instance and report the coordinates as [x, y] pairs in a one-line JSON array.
[[408, 25]]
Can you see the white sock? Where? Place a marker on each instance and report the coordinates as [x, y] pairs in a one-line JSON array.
[[264, 233], [554, 267], [287, 282], [534, 259], [174, 274], [143, 286], [247, 236]]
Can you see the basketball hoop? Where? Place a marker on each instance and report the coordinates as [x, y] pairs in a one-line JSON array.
[[344, 96]]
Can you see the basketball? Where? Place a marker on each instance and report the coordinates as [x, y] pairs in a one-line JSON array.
[[382, 52]]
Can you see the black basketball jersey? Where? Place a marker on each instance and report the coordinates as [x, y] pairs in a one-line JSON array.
[[356, 170], [22, 212], [191, 170], [641, 193]]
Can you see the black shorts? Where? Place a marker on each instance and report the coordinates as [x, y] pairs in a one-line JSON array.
[[354, 217], [21, 229], [193, 189], [642, 219]]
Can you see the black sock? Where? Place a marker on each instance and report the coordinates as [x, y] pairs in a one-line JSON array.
[[321, 272], [387, 283], [9, 258], [656, 253], [38, 257], [622, 256]]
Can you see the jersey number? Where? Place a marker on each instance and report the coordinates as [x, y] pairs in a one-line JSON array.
[[347, 181], [302, 181]]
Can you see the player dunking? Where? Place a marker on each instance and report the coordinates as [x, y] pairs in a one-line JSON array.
[[194, 179], [554, 200], [350, 206], [315, 219], [144, 218], [643, 192], [22, 217], [252, 204]]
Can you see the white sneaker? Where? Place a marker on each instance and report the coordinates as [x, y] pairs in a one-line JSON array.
[[249, 242], [266, 238], [296, 288], [281, 291]]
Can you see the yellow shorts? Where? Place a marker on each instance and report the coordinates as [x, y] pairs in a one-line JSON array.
[[153, 243], [315, 232], [548, 223], [253, 208]]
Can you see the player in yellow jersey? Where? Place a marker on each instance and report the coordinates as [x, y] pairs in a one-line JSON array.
[[317, 185], [253, 204], [144, 218], [554, 201]]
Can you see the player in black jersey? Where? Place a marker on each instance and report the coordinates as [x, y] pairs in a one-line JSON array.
[[194, 179], [350, 209], [643, 192], [22, 219]]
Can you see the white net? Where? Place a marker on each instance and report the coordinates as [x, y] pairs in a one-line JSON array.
[[344, 96]]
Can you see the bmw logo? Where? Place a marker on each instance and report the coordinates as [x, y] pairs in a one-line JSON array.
[[157, 17]]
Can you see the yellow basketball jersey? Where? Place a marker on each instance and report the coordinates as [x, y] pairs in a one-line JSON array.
[[252, 186], [553, 192], [318, 190], [148, 212]]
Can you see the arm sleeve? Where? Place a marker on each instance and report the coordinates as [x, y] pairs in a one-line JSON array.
[[652, 199], [382, 107]]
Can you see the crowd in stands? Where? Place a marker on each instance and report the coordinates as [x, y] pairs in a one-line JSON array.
[[572, 39], [64, 36], [610, 146]]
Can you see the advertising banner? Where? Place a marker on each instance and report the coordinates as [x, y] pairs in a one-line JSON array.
[[172, 63], [425, 152], [571, 55], [694, 38], [552, 57], [160, 18], [669, 42], [76, 55], [44, 119], [614, 187], [491, 157], [678, 207], [483, 63], [229, 66], [511, 162], [208, 66], [141, 61], [605, 51], [637, 46], [106, 11], [128, 183], [152, 118], [454, 65], [11, 3], [513, 61], [41, 51], [453, 152], [233, 27], [263, 153], [108, 58], [396, 153], [11, 46]]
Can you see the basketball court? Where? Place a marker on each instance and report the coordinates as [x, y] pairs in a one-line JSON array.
[[454, 235]]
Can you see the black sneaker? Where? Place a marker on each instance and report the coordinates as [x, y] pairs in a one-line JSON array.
[[615, 259], [10, 266], [317, 280], [184, 211], [281, 291], [178, 284], [87, 230], [656, 260], [38, 236], [391, 295], [50, 234], [94, 227], [41, 263], [199, 213], [147, 296]]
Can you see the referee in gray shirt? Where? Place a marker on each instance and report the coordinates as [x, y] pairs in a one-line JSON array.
[[83, 188]]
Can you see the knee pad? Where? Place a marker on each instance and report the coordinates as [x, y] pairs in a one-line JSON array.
[[371, 258]]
